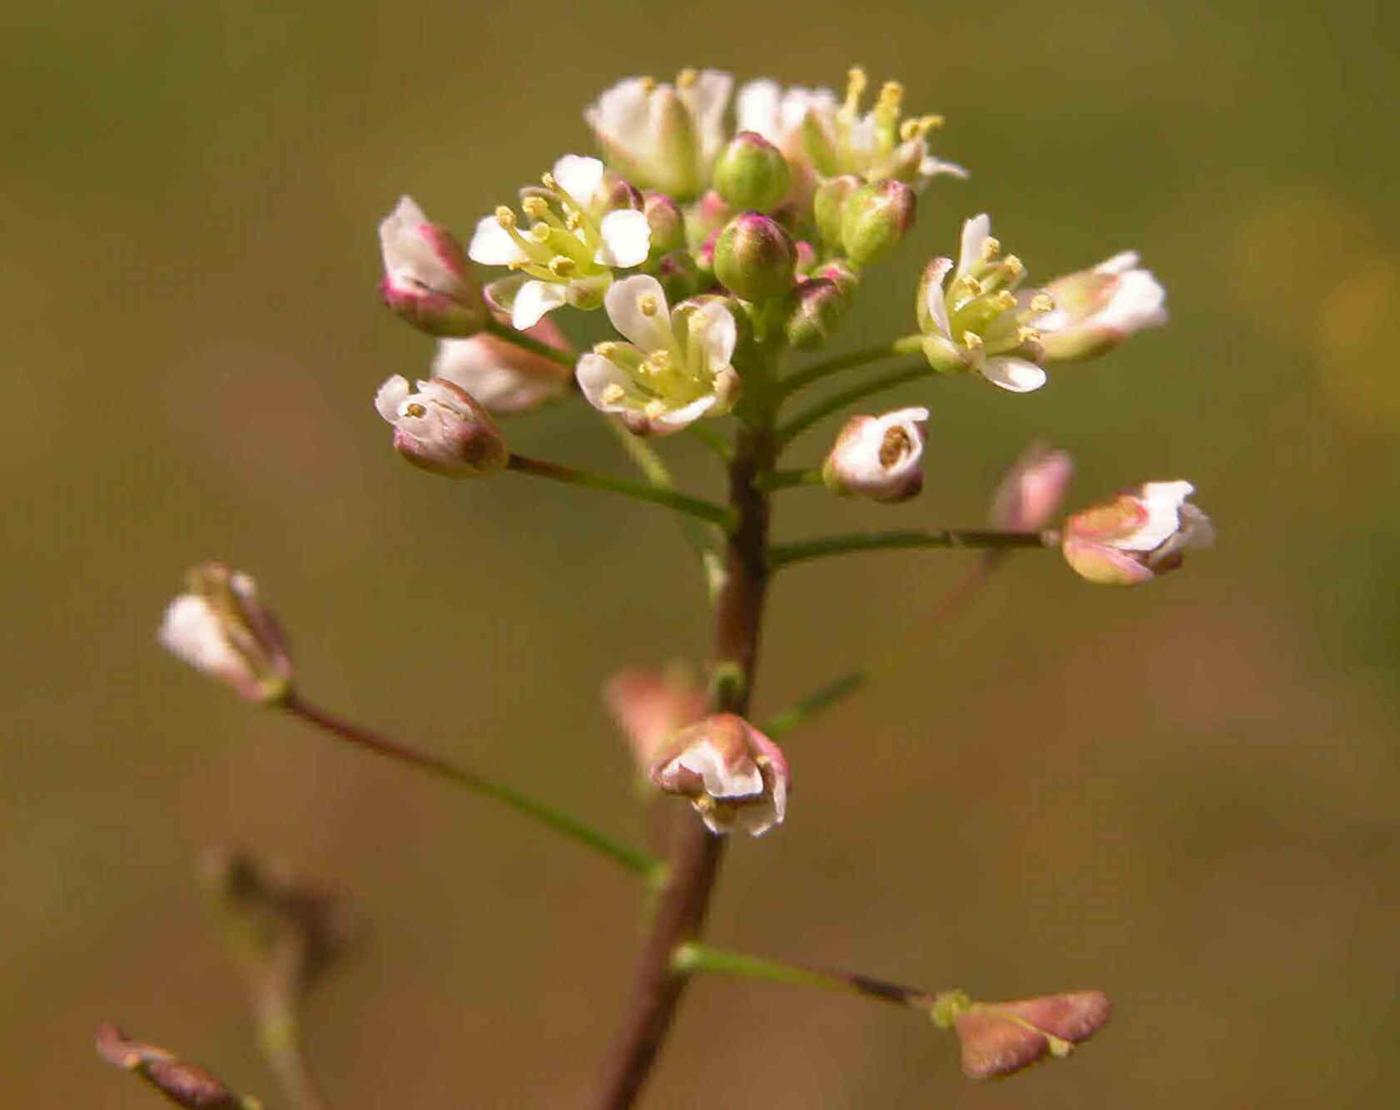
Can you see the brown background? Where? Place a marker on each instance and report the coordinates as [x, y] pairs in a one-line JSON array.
[[1184, 794]]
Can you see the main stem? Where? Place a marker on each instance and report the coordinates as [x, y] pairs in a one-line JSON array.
[[657, 985]]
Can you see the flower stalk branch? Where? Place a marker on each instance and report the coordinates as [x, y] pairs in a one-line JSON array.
[[638, 491], [786, 554], [633, 859], [530, 343], [906, 345], [838, 401]]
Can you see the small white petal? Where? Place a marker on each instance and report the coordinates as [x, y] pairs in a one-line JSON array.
[[595, 374], [626, 238], [719, 333], [492, 245], [933, 294], [533, 301], [707, 98], [579, 176], [1120, 263], [391, 394], [193, 633], [625, 301], [936, 167], [744, 781], [756, 108], [1013, 374], [1163, 501], [676, 419], [975, 232]]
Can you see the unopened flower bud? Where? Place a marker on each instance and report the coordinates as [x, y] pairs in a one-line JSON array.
[[1137, 536], [875, 219], [441, 427], [752, 173], [998, 1038], [680, 275], [183, 1084], [731, 772], [829, 207], [709, 216], [666, 222], [426, 277], [878, 456], [755, 258], [651, 706], [819, 305], [1096, 310], [220, 627], [1031, 491]]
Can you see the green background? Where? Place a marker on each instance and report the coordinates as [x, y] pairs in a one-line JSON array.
[[1184, 794]]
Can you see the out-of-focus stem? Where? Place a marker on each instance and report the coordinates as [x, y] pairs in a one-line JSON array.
[[785, 554], [279, 1038], [564, 823], [659, 495]]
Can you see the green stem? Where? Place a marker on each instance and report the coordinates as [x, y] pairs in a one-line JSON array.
[[680, 502], [904, 345], [530, 343], [785, 479], [835, 403], [633, 859], [713, 439], [785, 554], [693, 957]]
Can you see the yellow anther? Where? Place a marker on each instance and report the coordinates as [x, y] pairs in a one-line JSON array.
[[991, 247], [540, 233], [612, 394], [686, 78], [911, 129], [1005, 300], [648, 84], [534, 207], [505, 217], [573, 221], [415, 410], [972, 341], [515, 264], [607, 349], [562, 266], [655, 408], [549, 182], [1042, 302], [891, 96], [856, 81], [1015, 268], [648, 304], [1025, 334], [658, 362], [971, 284]]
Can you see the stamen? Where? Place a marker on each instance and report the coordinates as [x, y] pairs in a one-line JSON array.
[[648, 304], [612, 394], [891, 97], [972, 341], [562, 266], [894, 446], [1014, 267], [534, 207], [415, 410], [686, 78], [856, 81], [991, 247], [1005, 300], [648, 85], [971, 284], [655, 408], [607, 349], [1026, 334], [540, 233], [573, 221], [1042, 302], [505, 217], [549, 182]]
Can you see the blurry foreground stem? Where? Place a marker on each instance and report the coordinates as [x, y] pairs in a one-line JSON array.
[[657, 494], [572, 827], [529, 343], [785, 554]]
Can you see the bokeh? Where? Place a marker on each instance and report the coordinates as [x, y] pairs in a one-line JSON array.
[[1184, 794]]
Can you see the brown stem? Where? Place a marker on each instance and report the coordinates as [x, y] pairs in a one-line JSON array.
[[657, 985]]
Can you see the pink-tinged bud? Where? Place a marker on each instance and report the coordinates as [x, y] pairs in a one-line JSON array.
[[710, 215], [998, 1038], [441, 428], [878, 456], [666, 222], [651, 706], [220, 627], [874, 220], [829, 207], [426, 277], [1095, 310], [731, 772], [183, 1084], [806, 257], [1138, 536], [1031, 492], [752, 173], [755, 258], [680, 275], [504, 378], [819, 305]]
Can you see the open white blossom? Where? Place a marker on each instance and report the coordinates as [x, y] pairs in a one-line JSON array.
[[731, 772], [662, 136], [878, 456], [674, 367], [1137, 536], [568, 253], [1095, 310], [978, 322], [778, 114]]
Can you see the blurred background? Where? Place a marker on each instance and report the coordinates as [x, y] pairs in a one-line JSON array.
[[1183, 794]]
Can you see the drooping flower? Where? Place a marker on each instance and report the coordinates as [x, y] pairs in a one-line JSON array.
[[220, 627], [651, 705], [674, 367], [662, 136], [426, 278], [731, 772], [978, 322], [503, 377], [1095, 310], [835, 138], [441, 428], [878, 456], [999, 1038], [579, 235], [1136, 537], [1031, 491]]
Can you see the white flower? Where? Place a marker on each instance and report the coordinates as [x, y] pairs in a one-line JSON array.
[[426, 279], [568, 254], [878, 456], [660, 136], [1136, 537], [1095, 310], [441, 428], [778, 114], [731, 772], [675, 366], [220, 628], [978, 322], [506, 379]]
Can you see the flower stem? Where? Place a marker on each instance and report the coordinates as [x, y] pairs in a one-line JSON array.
[[835, 403], [279, 1038], [530, 343], [785, 479], [817, 371], [680, 502], [633, 859], [785, 554], [691, 958], [694, 864]]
